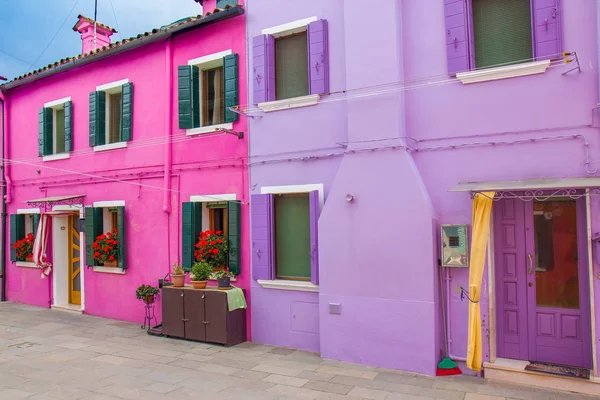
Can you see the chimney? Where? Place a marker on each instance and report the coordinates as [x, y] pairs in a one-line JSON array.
[[85, 26]]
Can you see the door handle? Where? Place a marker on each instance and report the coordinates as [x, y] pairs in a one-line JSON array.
[[185, 319], [530, 263], [206, 322]]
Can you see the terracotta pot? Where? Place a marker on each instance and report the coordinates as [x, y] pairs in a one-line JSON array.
[[29, 258], [224, 283], [178, 280], [111, 263], [149, 299], [199, 284]]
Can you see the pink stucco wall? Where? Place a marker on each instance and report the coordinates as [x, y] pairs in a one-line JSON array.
[[201, 165]]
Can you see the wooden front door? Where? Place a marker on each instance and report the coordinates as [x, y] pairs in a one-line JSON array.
[[542, 282], [74, 261]]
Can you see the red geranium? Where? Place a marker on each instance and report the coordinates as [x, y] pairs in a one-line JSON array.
[[106, 247], [24, 247], [212, 249]]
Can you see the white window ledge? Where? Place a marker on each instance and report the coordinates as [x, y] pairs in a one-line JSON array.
[[294, 102], [111, 146], [109, 270], [282, 284], [208, 129], [509, 71], [26, 264], [54, 157]]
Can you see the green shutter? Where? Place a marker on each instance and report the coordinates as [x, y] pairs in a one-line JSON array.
[[122, 243], [189, 96], [93, 229], [68, 126], [17, 232], [35, 219], [233, 234], [45, 131], [191, 226], [230, 85], [126, 111], [97, 118], [502, 32]]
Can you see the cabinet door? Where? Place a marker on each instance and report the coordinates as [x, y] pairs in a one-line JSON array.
[[215, 305], [172, 311], [194, 315]]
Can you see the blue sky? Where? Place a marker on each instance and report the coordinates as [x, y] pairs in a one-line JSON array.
[[27, 26]]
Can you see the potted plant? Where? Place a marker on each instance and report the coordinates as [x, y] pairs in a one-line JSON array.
[[146, 293], [200, 274], [178, 275], [24, 248], [106, 249], [223, 279], [212, 248]]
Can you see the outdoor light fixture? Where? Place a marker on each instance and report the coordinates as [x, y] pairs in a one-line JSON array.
[[350, 198]]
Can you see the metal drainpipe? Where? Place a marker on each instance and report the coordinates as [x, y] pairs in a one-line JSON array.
[[3, 240], [598, 48]]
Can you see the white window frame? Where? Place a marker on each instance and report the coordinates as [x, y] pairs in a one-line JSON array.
[[28, 212], [108, 89], [56, 105], [212, 198], [283, 30], [203, 63], [106, 218], [286, 284]]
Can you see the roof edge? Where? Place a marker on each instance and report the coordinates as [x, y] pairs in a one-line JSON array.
[[130, 45]]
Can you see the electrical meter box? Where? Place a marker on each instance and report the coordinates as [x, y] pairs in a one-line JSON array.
[[455, 246]]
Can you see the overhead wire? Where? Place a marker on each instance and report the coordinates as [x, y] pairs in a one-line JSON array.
[[15, 57], [116, 20]]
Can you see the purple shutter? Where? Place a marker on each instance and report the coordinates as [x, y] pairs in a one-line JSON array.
[[259, 68], [261, 212], [263, 68], [314, 236], [548, 33], [318, 57], [456, 36]]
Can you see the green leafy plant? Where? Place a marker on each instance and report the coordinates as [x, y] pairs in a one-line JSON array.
[[201, 271], [145, 291], [223, 273], [178, 269]]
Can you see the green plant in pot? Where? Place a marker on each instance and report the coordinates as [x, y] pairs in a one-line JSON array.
[[178, 275], [200, 274], [223, 279], [146, 293]]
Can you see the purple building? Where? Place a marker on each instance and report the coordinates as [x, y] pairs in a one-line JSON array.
[[372, 129]]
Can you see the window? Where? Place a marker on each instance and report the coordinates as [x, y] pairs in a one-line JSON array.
[[487, 33], [207, 88], [292, 237], [291, 61], [502, 32], [223, 3], [105, 217], [209, 213], [284, 223], [111, 114], [22, 225], [291, 66], [55, 129]]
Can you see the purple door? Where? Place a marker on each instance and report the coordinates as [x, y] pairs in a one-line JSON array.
[[542, 281]]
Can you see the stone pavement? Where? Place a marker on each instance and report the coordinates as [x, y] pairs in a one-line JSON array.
[[47, 355]]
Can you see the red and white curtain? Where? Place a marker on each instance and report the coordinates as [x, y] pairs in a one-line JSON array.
[[40, 243]]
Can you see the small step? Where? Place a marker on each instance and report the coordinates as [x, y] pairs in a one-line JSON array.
[[514, 371], [72, 308]]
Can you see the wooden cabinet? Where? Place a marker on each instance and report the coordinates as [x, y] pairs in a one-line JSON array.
[[201, 315]]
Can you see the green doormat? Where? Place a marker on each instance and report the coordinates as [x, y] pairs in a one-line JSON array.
[[556, 369]]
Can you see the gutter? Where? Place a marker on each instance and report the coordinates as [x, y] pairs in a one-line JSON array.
[[131, 45], [168, 126], [4, 198]]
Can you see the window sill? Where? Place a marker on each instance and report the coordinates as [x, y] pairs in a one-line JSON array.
[[294, 102], [54, 157], [109, 270], [282, 284], [111, 146], [208, 129], [25, 264], [509, 71]]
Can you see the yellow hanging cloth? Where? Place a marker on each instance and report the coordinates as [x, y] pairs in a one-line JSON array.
[[482, 211]]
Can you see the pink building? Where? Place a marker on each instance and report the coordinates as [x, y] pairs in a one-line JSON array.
[[136, 136]]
